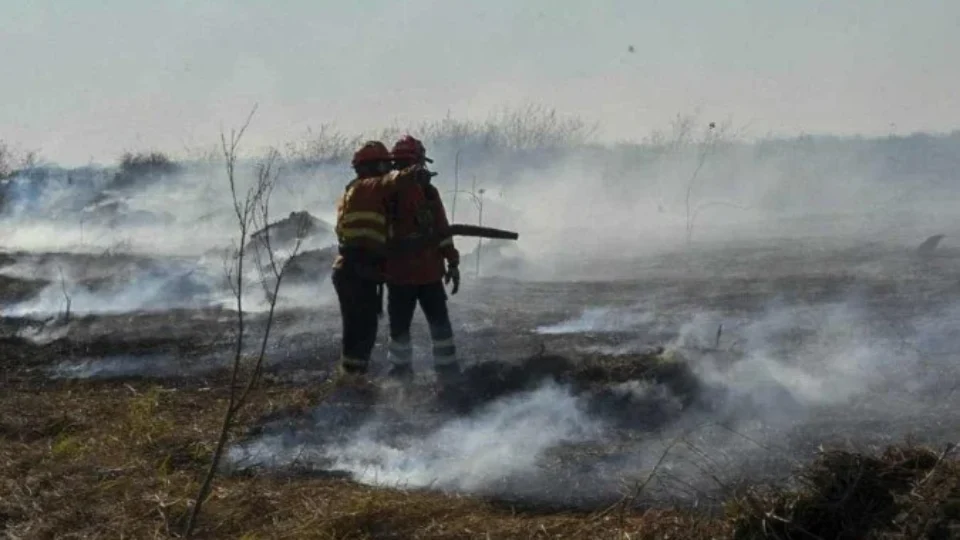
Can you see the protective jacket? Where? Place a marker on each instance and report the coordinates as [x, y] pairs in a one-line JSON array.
[[363, 228], [416, 210]]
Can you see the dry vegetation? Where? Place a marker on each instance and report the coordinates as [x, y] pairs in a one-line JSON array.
[[525, 129], [111, 460], [13, 160], [910, 492]]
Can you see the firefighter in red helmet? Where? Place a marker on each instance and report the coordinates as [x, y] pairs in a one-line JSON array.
[[363, 233], [419, 276]]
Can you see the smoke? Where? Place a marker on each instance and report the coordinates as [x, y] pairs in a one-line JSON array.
[[184, 211], [99, 287], [504, 441], [796, 359], [160, 291], [798, 375], [45, 334], [600, 320], [156, 243], [120, 366], [787, 287], [581, 209]]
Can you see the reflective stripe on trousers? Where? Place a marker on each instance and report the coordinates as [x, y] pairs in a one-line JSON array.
[[400, 350], [401, 305], [444, 352]]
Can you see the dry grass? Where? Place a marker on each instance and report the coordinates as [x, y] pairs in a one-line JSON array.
[[911, 492], [111, 461], [102, 460]]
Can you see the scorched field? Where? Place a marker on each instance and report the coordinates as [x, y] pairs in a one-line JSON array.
[[810, 387]]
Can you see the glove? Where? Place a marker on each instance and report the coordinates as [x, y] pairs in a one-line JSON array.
[[452, 274]]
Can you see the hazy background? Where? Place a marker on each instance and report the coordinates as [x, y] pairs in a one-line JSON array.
[[88, 80]]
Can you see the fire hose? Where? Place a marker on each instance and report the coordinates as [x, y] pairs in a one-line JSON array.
[[459, 229], [481, 232]]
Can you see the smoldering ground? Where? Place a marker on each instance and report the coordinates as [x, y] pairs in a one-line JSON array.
[[786, 374], [830, 323]]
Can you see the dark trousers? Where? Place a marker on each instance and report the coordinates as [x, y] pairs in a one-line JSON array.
[[402, 303], [360, 306]]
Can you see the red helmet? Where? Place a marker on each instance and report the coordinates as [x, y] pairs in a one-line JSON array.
[[371, 151], [410, 148]]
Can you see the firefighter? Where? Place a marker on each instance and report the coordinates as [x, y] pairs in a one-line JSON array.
[[363, 234], [419, 276]]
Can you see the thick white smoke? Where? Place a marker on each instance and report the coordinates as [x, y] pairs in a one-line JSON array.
[[579, 208], [503, 441]]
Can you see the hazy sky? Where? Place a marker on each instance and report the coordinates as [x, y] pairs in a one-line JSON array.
[[88, 80]]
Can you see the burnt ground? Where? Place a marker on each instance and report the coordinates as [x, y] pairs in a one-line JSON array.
[[691, 382]]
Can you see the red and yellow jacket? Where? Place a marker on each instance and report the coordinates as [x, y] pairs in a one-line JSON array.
[[417, 211], [363, 228]]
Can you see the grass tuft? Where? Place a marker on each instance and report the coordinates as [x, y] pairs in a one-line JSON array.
[[908, 492]]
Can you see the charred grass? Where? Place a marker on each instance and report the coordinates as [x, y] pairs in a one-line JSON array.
[[90, 460], [485, 381], [111, 460]]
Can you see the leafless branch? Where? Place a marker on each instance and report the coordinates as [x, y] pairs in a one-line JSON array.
[[267, 176], [254, 209], [245, 210], [706, 148]]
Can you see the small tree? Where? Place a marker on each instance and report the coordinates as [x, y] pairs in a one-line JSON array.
[[683, 135], [714, 136], [252, 209], [706, 148]]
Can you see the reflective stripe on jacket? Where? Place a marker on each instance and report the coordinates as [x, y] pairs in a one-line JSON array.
[[362, 228]]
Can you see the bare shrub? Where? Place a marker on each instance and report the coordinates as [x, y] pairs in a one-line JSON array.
[[146, 162], [688, 138], [527, 128], [250, 209], [324, 145], [13, 160], [139, 166]]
